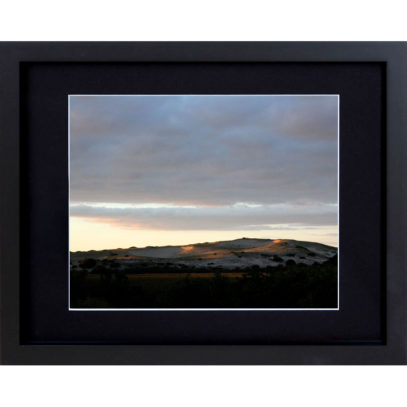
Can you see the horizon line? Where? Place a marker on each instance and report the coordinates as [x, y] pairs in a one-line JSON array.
[[198, 243]]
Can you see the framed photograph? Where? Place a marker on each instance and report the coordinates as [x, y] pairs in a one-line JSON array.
[[203, 203], [168, 211]]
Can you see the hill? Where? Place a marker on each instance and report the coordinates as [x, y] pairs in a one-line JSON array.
[[232, 254]]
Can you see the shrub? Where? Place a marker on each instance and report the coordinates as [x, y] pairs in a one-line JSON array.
[[87, 263]]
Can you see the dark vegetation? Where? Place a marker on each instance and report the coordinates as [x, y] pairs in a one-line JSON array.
[[102, 284]]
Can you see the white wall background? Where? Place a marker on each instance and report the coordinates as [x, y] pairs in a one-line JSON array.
[[211, 20]]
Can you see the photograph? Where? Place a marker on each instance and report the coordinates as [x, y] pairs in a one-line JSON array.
[[203, 202]]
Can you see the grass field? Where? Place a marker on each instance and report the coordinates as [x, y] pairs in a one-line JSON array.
[[170, 276], [292, 286]]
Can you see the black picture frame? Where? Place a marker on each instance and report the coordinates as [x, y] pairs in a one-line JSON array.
[[391, 349]]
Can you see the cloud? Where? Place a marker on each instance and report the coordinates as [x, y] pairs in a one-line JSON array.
[[235, 217], [207, 150], [205, 162]]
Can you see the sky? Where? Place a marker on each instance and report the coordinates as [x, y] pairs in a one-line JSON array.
[[183, 169]]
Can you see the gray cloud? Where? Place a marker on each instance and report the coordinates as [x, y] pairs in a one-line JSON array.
[[210, 151], [212, 217]]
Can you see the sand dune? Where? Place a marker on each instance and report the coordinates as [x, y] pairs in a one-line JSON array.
[[239, 253]]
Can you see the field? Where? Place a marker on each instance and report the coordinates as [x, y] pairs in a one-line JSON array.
[[288, 286]]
